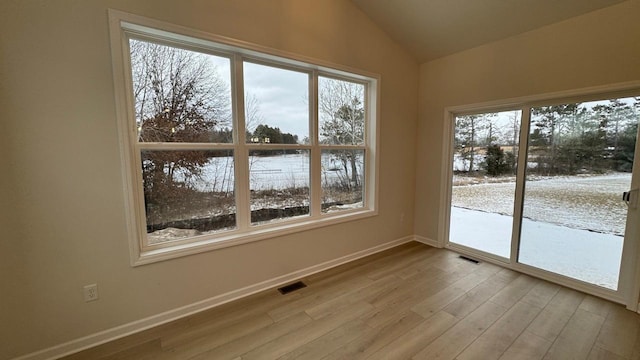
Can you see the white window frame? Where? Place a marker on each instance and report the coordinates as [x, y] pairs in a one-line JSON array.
[[628, 292], [124, 26]]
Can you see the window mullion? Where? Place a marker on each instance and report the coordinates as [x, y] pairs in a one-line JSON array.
[[370, 140], [183, 146], [241, 153], [315, 162]]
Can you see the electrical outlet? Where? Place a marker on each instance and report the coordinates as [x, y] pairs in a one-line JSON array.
[[402, 218], [91, 292]]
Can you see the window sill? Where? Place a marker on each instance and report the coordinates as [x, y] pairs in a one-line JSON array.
[[252, 235]]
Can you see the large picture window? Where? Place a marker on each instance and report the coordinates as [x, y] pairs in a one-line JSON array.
[[226, 144]]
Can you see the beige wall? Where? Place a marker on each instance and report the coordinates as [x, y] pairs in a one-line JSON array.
[[596, 49], [12, 253], [65, 196]]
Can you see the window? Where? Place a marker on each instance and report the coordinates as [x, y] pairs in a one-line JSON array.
[[225, 144], [342, 135]]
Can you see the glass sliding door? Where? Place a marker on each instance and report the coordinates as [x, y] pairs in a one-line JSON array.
[[541, 190], [579, 162], [485, 159]]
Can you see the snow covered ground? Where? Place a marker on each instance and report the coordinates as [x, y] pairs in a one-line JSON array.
[[583, 202], [572, 226], [269, 172], [580, 254]]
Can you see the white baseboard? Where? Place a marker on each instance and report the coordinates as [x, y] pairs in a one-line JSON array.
[[427, 241], [171, 315]]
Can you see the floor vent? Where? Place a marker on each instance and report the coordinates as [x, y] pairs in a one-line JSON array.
[[292, 287], [469, 259]]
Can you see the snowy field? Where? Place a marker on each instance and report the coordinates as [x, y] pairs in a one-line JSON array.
[[572, 226], [269, 172], [582, 202]]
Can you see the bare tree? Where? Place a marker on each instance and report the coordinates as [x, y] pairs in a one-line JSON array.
[[179, 97], [342, 120], [253, 115]]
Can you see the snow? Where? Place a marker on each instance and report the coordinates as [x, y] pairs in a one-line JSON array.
[[333, 208], [584, 255], [171, 233], [572, 225], [268, 172], [589, 203], [279, 172], [582, 202], [485, 231], [580, 254], [462, 164]]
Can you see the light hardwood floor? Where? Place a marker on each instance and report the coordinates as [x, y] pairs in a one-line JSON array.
[[410, 302]]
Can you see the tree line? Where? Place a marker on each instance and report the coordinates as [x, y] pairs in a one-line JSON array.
[[564, 139]]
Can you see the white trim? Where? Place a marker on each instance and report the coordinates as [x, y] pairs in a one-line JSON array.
[[446, 170], [568, 282], [315, 153], [119, 64], [618, 89], [478, 254], [518, 201], [117, 332], [426, 241], [535, 272], [240, 153], [236, 239], [372, 129], [629, 282]]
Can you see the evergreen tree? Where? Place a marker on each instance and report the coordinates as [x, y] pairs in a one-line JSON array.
[[495, 161], [550, 121]]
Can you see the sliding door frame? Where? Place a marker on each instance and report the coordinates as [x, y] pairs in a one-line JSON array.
[[628, 292]]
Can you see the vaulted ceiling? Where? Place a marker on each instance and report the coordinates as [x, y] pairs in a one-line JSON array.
[[435, 28]]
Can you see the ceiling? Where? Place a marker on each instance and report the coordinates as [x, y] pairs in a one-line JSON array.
[[430, 29]]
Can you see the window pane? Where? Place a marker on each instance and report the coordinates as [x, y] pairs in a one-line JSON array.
[[342, 180], [276, 105], [279, 181], [187, 193], [580, 161], [180, 95], [341, 112], [484, 181]]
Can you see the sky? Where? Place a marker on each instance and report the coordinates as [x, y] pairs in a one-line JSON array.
[[503, 123], [282, 97], [277, 97], [281, 94]]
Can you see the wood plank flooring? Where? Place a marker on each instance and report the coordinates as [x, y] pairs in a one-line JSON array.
[[410, 302]]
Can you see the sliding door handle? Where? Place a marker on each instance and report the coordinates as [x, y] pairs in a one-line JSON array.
[[631, 198]]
